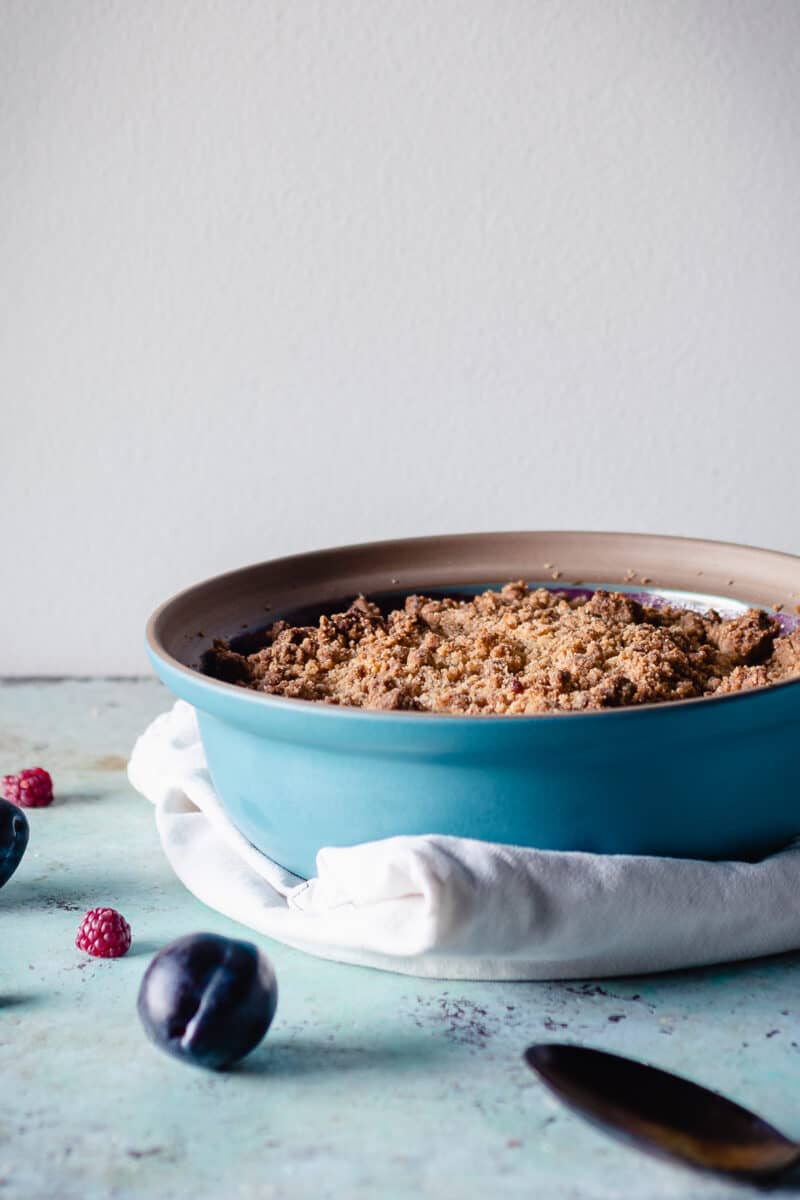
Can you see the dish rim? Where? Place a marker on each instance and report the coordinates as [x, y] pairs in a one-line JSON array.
[[350, 712]]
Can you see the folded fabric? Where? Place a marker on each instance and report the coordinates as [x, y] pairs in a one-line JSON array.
[[454, 908]]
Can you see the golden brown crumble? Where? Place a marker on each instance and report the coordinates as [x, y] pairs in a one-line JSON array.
[[514, 651]]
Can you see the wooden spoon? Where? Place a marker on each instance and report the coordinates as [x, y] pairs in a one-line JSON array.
[[663, 1113]]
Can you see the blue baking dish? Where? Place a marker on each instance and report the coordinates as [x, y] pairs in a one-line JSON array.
[[714, 777]]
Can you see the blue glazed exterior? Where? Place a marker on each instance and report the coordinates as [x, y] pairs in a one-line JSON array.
[[711, 778]]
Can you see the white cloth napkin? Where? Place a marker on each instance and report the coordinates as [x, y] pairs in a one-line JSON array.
[[454, 908]]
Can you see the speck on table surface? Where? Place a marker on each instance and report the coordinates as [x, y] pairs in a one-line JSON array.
[[368, 1085]]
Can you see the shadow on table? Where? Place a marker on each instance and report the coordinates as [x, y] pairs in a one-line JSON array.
[[89, 794], [790, 1182], [18, 999], [144, 947], [640, 987], [75, 895], [716, 973], [303, 1056]]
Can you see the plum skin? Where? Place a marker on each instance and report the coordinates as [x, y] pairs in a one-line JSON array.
[[14, 831], [208, 999]]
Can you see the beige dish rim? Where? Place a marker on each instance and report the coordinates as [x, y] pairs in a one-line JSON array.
[[352, 712]]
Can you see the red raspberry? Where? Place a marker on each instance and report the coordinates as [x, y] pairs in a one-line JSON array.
[[104, 933], [30, 789]]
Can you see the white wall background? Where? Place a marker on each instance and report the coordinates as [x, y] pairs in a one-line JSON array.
[[288, 273]]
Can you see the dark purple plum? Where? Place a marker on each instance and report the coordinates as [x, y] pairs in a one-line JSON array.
[[13, 838], [208, 999]]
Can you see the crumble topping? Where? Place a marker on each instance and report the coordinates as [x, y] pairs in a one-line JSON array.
[[513, 651]]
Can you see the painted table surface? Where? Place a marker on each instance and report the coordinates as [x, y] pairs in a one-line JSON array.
[[368, 1084]]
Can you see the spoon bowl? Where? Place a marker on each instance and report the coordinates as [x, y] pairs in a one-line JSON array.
[[662, 1113]]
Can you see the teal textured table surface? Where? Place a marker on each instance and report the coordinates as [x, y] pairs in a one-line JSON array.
[[368, 1085]]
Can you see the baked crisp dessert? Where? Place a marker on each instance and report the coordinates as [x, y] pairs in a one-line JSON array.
[[513, 651]]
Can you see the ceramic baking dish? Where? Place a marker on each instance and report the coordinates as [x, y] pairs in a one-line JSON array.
[[715, 777]]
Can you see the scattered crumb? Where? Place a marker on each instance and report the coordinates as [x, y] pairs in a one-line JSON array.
[[62, 905], [555, 575], [645, 579], [461, 1020], [777, 608], [110, 762]]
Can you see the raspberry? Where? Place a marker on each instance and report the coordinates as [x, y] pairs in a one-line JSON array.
[[29, 789], [104, 933]]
